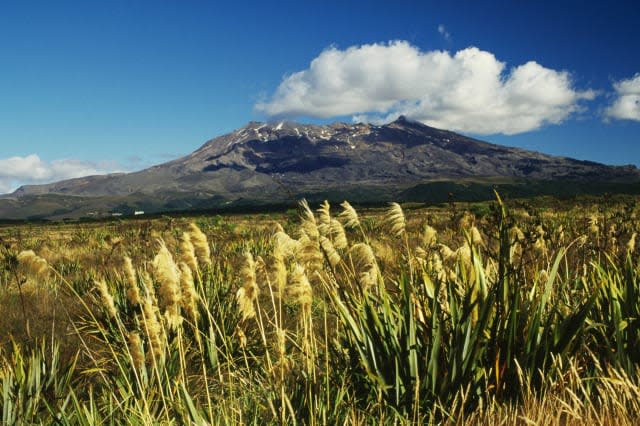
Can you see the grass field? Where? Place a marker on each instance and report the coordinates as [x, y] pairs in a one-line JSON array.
[[488, 313]]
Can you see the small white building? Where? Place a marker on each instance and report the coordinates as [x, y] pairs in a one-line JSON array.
[[138, 213]]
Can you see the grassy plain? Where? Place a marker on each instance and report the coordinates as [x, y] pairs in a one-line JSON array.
[[526, 312]]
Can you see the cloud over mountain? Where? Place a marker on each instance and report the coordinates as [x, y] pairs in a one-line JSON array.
[[626, 105], [469, 91], [16, 171]]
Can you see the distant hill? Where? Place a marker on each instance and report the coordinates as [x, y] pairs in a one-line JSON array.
[[265, 164]]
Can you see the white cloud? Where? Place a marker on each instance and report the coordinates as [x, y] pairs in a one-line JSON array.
[[468, 91], [626, 105], [443, 32], [16, 171]]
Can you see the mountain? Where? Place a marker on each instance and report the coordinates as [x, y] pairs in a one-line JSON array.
[[263, 164]]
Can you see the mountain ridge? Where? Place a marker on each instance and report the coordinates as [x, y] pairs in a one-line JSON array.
[[273, 162]]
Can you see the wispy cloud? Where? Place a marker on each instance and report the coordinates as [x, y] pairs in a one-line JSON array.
[[626, 105], [443, 32], [16, 171], [468, 91]]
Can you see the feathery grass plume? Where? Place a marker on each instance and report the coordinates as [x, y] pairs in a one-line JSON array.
[[133, 291], [283, 247], [309, 225], [262, 271], [476, 237], [631, 244], [463, 255], [154, 331], [421, 254], [279, 270], [287, 245], [309, 253], [349, 215], [324, 218], [330, 251], [248, 293], [300, 289], [188, 252], [438, 268], [446, 253], [338, 236], [200, 244], [365, 261], [168, 276], [106, 298], [282, 365], [32, 263], [189, 300], [395, 217], [384, 252], [136, 350], [429, 236]]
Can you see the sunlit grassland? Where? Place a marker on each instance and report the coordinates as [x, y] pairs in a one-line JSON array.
[[466, 314]]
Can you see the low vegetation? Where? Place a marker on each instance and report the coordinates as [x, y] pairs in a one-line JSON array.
[[466, 314]]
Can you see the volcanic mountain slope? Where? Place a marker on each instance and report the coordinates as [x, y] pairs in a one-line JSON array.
[[266, 163]]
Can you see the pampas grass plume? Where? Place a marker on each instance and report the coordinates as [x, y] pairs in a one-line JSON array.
[[200, 244], [429, 236], [324, 218], [476, 237], [309, 225], [395, 217], [136, 350], [366, 261], [189, 301], [330, 251], [188, 252], [106, 298], [300, 289], [154, 331], [168, 276], [279, 270], [248, 293], [133, 291], [285, 244], [32, 263], [339, 237], [349, 215]]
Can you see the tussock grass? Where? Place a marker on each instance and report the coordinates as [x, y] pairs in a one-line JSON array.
[[403, 316]]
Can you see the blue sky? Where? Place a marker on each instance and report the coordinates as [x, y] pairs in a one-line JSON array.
[[90, 87]]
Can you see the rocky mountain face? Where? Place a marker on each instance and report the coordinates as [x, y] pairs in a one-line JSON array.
[[265, 163]]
